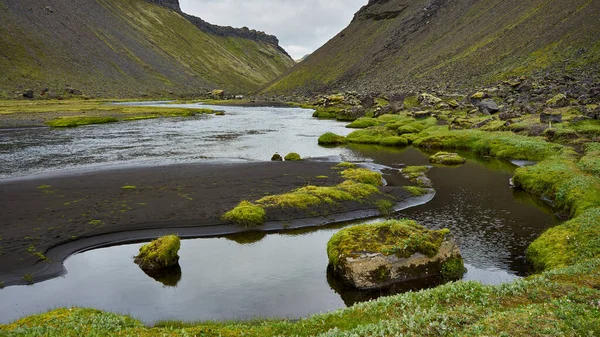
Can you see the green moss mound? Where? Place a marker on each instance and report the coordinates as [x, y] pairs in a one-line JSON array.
[[453, 269], [447, 158], [402, 238], [292, 156], [362, 175], [590, 163], [394, 141], [416, 190], [331, 138], [70, 122], [370, 136], [364, 122], [160, 253], [246, 214]]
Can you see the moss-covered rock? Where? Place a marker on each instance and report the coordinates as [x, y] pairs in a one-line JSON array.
[[276, 157], [447, 158], [331, 138], [292, 156], [558, 101], [246, 214], [394, 141], [377, 255], [160, 253]]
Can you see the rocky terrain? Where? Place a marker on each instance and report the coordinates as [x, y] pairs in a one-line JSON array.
[[396, 46], [131, 48]]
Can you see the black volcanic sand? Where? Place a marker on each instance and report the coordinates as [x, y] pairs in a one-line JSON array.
[[62, 214]]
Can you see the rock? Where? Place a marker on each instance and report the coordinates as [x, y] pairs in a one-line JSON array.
[[580, 119], [374, 256], [558, 101], [504, 116], [447, 158], [74, 91], [397, 102], [478, 97], [422, 114], [482, 123], [28, 93], [550, 118], [442, 106], [384, 110], [488, 106], [453, 104], [428, 99], [218, 94], [160, 253], [276, 157], [292, 156]]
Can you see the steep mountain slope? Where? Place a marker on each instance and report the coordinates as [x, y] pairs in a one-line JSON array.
[[394, 45], [126, 48]]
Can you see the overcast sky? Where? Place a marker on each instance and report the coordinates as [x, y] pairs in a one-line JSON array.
[[302, 26]]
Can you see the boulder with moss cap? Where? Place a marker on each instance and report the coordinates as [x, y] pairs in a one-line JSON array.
[[379, 255], [447, 158], [159, 254]]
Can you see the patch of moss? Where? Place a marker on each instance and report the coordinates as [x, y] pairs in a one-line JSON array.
[[68, 122], [453, 269], [394, 141], [345, 165], [385, 206], [402, 238], [160, 253], [362, 175], [330, 138], [372, 135], [128, 187], [246, 214], [292, 156], [364, 122], [446, 158], [416, 190], [590, 163], [326, 113]]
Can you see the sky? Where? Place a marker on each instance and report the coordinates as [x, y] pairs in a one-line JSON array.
[[302, 26]]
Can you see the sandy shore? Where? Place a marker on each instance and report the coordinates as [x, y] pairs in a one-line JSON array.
[[55, 216]]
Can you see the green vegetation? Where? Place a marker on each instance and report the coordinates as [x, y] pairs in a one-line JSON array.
[[370, 136], [402, 238], [394, 141], [364, 122], [246, 214], [362, 175], [416, 190], [160, 253], [129, 187], [68, 122], [292, 156], [345, 165], [590, 163], [330, 138], [453, 269], [326, 113], [414, 172], [385, 206], [446, 158]]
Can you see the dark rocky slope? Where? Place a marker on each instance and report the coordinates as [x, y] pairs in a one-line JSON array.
[[127, 48], [402, 45]]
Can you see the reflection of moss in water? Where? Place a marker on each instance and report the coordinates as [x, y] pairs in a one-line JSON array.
[[170, 276], [246, 238], [527, 198]]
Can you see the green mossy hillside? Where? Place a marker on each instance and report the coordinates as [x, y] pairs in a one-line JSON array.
[[160, 253], [393, 237]]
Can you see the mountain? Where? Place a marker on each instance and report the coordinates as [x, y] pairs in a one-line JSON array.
[[128, 48], [403, 45]]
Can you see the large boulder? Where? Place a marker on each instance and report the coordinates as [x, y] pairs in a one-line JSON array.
[[378, 255], [447, 158], [558, 101], [428, 99], [548, 117], [159, 254], [488, 106], [397, 102]]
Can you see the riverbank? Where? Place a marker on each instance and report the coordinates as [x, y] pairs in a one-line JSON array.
[[50, 217]]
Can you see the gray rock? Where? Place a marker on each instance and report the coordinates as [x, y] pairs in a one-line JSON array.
[[28, 93], [550, 118], [488, 106], [428, 99], [397, 102]]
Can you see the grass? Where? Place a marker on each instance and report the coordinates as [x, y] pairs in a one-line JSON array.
[[128, 187], [590, 163], [69, 122], [385, 206], [330, 138], [402, 238], [446, 158], [246, 214], [160, 253]]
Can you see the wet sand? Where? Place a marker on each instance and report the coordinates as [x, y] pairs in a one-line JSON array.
[[57, 215]]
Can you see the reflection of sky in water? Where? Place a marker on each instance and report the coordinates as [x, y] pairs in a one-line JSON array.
[[280, 275]]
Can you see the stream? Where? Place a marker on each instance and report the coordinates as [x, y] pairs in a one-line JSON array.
[[261, 275]]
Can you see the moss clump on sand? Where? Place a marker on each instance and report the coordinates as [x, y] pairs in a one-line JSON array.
[[447, 158], [331, 138], [414, 172], [394, 141], [416, 190], [292, 156], [160, 253], [344, 165], [362, 175], [246, 214], [402, 238], [69, 122]]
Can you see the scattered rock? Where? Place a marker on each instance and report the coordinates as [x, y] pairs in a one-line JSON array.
[[482, 123], [447, 158], [453, 104], [580, 119], [160, 253], [558, 101], [422, 114], [397, 102], [488, 106], [504, 116], [478, 97], [546, 118], [375, 256], [28, 93], [276, 157], [428, 99], [74, 91], [218, 94]]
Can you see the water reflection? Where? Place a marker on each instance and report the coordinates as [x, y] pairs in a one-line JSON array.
[[246, 238], [169, 276]]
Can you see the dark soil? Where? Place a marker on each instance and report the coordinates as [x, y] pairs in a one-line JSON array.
[[58, 215]]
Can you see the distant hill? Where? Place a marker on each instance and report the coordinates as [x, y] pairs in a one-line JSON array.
[[302, 58], [128, 48], [395, 45]]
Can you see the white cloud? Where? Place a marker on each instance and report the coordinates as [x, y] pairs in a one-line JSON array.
[[301, 26]]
